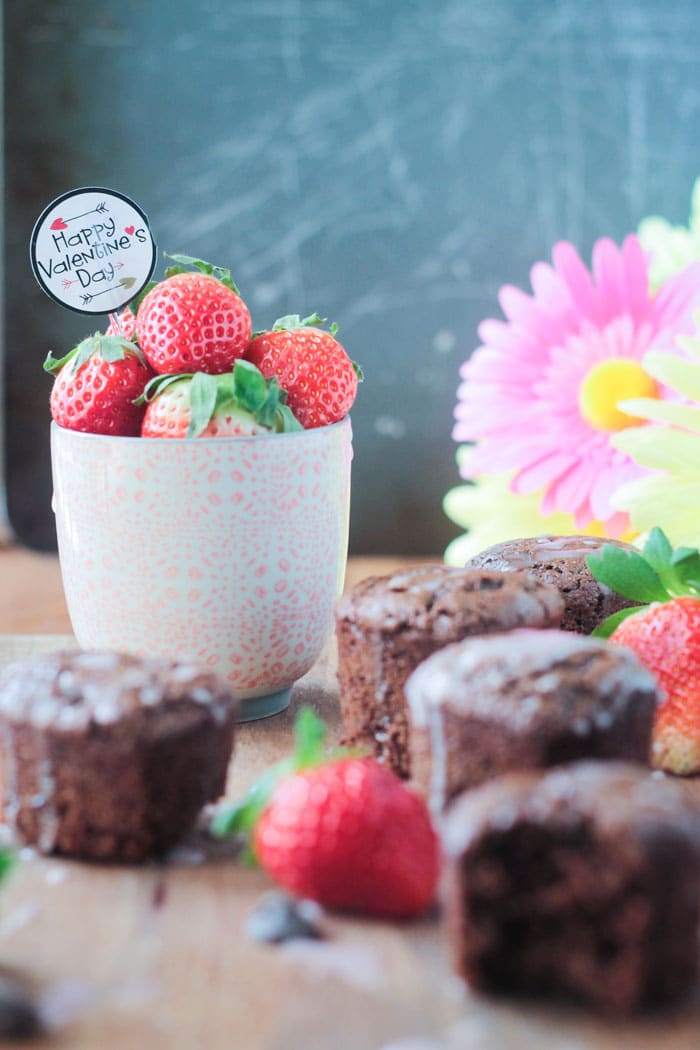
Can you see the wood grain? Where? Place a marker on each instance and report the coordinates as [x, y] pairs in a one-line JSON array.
[[157, 956]]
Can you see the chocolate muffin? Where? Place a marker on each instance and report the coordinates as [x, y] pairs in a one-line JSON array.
[[525, 700], [581, 882], [561, 562], [386, 625], [110, 757]]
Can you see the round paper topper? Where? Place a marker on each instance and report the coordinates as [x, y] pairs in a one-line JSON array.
[[92, 250]]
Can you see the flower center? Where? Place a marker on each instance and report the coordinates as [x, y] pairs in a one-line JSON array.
[[608, 383]]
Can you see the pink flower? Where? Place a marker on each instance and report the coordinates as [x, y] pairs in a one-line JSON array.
[[540, 395]]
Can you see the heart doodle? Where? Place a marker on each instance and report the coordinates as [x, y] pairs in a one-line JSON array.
[[129, 229], [59, 224]]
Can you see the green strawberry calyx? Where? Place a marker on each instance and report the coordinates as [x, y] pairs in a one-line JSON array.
[[109, 347], [187, 263], [656, 573], [7, 862], [310, 733], [245, 388], [293, 322]]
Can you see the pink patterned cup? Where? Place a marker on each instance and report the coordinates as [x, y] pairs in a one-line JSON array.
[[232, 550]]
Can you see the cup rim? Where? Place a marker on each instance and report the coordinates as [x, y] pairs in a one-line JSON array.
[[80, 435]]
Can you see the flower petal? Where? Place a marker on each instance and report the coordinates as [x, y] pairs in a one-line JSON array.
[[569, 265]]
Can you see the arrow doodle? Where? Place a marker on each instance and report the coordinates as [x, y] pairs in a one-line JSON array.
[[60, 223], [67, 283], [125, 282]]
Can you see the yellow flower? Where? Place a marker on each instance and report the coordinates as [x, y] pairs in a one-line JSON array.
[[493, 513], [672, 248], [670, 447]]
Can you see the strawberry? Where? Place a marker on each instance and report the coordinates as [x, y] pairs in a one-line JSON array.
[[341, 830], [126, 329], [666, 638], [239, 404], [665, 635], [97, 384], [193, 321], [311, 365]]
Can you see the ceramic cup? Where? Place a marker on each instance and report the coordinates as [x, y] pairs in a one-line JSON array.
[[232, 550]]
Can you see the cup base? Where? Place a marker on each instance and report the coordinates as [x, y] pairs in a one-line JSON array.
[[264, 706]]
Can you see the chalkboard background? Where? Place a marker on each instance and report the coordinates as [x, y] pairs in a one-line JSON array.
[[387, 163]]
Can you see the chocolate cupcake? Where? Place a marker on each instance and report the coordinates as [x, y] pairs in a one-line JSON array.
[[526, 700], [387, 625], [561, 562], [582, 883], [110, 757]]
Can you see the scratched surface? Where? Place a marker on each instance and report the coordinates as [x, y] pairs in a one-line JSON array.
[[388, 164]]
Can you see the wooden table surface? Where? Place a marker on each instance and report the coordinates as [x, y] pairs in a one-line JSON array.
[[157, 956]]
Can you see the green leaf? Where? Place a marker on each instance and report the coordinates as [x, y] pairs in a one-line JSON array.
[[309, 738], [685, 563], [290, 322], [627, 573], [108, 347], [7, 862], [53, 365], [286, 422], [188, 262], [203, 396], [135, 303], [158, 384], [606, 628], [249, 385], [658, 552], [358, 371]]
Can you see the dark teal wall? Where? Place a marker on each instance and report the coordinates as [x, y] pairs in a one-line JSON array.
[[387, 163]]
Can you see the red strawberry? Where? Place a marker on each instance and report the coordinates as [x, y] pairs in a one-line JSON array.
[[311, 365], [666, 638], [664, 634], [97, 384], [193, 322], [126, 328], [345, 832], [238, 404]]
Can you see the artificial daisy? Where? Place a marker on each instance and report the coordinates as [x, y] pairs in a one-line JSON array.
[[671, 248], [669, 448], [493, 513], [541, 395]]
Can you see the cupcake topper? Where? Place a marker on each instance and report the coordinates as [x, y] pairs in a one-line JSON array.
[[92, 250]]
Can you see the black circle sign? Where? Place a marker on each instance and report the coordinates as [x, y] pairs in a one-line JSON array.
[[92, 250]]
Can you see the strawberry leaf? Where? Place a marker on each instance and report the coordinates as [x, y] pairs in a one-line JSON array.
[[203, 397], [263, 398], [309, 737], [249, 385], [135, 303], [7, 862], [53, 365], [606, 628], [627, 573], [185, 263], [287, 421], [108, 347], [158, 384], [658, 552], [686, 564]]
